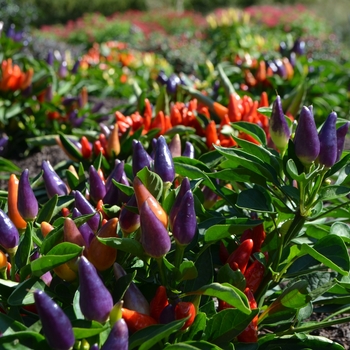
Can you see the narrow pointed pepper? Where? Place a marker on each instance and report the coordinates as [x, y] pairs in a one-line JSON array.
[[163, 161], [118, 337], [136, 320], [97, 186], [306, 141], [279, 129], [71, 233], [129, 221], [12, 198], [175, 146], [211, 135], [239, 258], [158, 303], [155, 238], [84, 229], [53, 183], [328, 141], [189, 150], [341, 134], [27, 203], [86, 147], [9, 236], [140, 158], [57, 327], [113, 148]]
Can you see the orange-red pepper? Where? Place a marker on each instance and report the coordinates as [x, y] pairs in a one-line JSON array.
[[136, 321], [158, 303], [12, 197], [211, 135]]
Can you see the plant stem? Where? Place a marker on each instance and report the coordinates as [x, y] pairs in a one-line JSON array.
[[179, 253], [295, 227], [161, 271]]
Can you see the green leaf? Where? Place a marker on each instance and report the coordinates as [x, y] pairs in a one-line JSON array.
[[46, 212], [197, 328], [8, 325], [128, 190], [70, 148], [225, 292], [25, 247], [127, 245], [58, 255], [187, 271], [7, 166], [32, 340], [235, 278], [123, 284], [333, 192], [152, 182], [256, 199], [251, 129], [84, 329], [342, 230], [193, 345], [23, 294]]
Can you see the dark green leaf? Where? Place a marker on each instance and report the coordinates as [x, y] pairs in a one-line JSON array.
[[251, 129], [256, 199], [127, 245], [33, 340], [128, 190], [23, 294], [235, 278], [152, 182], [342, 230], [46, 212], [333, 192], [84, 329], [25, 247]]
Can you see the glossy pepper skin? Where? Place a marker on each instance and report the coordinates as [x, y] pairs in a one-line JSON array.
[[129, 221], [27, 203], [254, 274], [95, 299], [341, 134], [306, 141], [140, 158], [53, 183], [9, 236], [175, 146], [158, 303], [57, 327], [84, 229], [163, 161], [118, 337], [184, 309], [189, 150], [328, 141], [97, 187], [71, 233], [136, 321], [12, 198], [239, 258]]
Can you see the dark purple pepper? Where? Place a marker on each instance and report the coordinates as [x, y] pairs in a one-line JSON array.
[[63, 70], [292, 59], [189, 150], [140, 158], [299, 47], [97, 186], [133, 298], [94, 347], [281, 70], [129, 221], [168, 314], [11, 31], [210, 197], [175, 146], [172, 83], [76, 143], [185, 186], [341, 134], [57, 327], [27, 204], [105, 129], [283, 48], [84, 229], [154, 236], [9, 236], [53, 183], [162, 78], [272, 66], [163, 161], [97, 106], [77, 122], [67, 101], [3, 144], [328, 141], [95, 300], [154, 147], [185, 222], [75, 67], [82, 204], [306, 141], [50, 58], [279, 129], [118, 337]]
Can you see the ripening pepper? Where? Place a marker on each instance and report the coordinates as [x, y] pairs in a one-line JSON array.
[[133, 298], [189, 150], [328, 141], [84, 229], [12, 198], [95, 300], [129, 221], [53, 183], [306, 141], [158, 303], [86, 147], [57, 327], [185, 222], [136, 320], [118, 337], [279, 129], [140, 158], [9, 236], [184, 309], [239, 258], [71, 233], [341, 134], [113, 148], [175, 146], [155, 238], [97, 187], [27, 203], [163, 161]]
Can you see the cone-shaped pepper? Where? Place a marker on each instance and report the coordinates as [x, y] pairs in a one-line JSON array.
[[129, 221], [140, 158], [189, 150], [97, 186], [9, 236], [279, 130], [328, 141], [71, 233], [53, 183], [113, 147], [133, 298], [12, 198], [27, 204], [306, 141], [82, 204], [118, 337], [95, 299], [84, 229], [163, 161], [341, 134], [154, 236], [175, 146], [57, 327], [185, 222]]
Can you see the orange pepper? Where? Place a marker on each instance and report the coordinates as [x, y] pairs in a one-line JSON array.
[[175, 116], [3, 260], [45, 228], [147, 116], [261, 73], [234, 113], [113, 144], [158, 123], [211, 135], [249, 78], [220, 110], [12, 197]]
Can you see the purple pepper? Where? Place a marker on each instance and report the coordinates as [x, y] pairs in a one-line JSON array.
[[328, 141], [71, 233], [75, 67], [189, 150], [105, 129], [279, 129], [133, 298], [154, 147], [341, 134], [175, 146], [11, 31], [95, 299], [162, 78], [140, 158], [67, 101], [299, 47], [9, 236], [63, 70], [283, 48], [163, 161], [97, 186], [27, 204], [3, 144], [118, 337], [185, 222], [306, 141], [292, 59], [172, 83], [84, 229], [53, 183], [129, 221], [155, 238], [57, 327], [50, 58], [97, 106], [272, 66], [167, 315], [82, 204], [185, 186], [281, 70], [94, 347]]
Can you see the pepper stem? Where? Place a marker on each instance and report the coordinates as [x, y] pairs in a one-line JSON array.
[[160, 263], [179, 253]]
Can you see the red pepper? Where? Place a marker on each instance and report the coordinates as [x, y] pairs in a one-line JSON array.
[[86, 147], [65, 212], [184, 309], [250, 334], [158, 303], [136, 321], [254, 275], [175, 116], [234, 113], [258, 237], [211, 135], [239, 258], [147, 116]]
